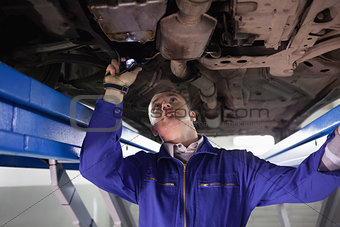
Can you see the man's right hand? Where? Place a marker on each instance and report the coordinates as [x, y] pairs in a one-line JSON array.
[[126, 79]]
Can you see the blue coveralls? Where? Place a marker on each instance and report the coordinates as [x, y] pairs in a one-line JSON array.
[[217, 187]]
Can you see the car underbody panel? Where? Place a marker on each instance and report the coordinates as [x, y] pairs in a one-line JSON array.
[[247, 67]]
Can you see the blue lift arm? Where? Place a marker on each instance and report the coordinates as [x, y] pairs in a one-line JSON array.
[[296, 147]]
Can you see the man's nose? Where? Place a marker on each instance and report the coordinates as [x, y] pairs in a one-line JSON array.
[[165, 105]]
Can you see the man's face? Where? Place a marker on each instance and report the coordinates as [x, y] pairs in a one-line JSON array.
[[169, 112]]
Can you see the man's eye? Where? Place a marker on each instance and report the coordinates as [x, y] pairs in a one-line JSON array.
[[173, 99], [157, 106]]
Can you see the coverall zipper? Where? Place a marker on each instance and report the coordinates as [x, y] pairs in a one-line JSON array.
[[184, 173], [185, 213], [184, 177]]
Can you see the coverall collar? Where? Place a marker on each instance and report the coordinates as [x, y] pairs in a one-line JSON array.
[[206, 148]]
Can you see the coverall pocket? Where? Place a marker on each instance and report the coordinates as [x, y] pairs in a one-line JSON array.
[[218, 184], [218, 181], [217, 194], [160, 185], [155, 180], [160, 194]]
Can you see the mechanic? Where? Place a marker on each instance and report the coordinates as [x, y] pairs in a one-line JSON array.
[[190, 182]]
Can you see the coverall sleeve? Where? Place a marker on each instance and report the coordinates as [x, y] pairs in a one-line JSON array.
[[101, 160], [268, 184]]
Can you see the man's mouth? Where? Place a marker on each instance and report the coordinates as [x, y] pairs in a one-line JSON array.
[[169, 113]]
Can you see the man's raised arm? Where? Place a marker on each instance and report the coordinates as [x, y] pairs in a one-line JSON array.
[[269, 184], [101, 159]]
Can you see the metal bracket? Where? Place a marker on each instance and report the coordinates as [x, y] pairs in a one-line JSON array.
[[283, 215], [68, 196], [118, 210], [329, 213]]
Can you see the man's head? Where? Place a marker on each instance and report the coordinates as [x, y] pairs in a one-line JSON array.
[[170, 115]]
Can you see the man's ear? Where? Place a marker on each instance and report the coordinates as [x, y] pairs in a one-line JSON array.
[[192, 115], [154, 131]]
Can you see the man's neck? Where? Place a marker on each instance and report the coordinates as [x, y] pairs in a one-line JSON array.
[[185, 139]]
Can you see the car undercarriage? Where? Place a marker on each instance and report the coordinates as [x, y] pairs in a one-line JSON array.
[[247, 67]]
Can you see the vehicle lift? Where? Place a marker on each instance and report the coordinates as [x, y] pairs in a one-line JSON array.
[[42, 128]]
